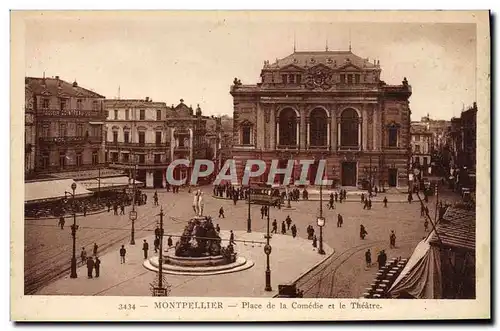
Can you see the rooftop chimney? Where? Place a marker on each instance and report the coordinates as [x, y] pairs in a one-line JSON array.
[[147, 99]]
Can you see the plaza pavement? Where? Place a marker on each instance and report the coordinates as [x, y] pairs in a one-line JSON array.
[[48, 248], [290, 258]]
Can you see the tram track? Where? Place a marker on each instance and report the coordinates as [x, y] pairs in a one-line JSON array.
[[319, 282], [58, 264]]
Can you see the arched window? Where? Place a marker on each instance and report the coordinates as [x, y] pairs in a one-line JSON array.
[[318, 127], [349, 128], [288, 127], [393, 135]]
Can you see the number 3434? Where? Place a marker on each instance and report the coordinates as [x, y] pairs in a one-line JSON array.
[[127, 306]]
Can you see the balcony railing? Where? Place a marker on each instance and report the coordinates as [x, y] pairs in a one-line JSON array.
[[290, 147], [138, 145], [70, 139], [318, 148], [181, 149], [70, 113]]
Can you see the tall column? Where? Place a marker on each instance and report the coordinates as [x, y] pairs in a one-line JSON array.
[[277, 134], [172, 144], [191, 145], [297, 128], [375, 128], [308, 143], [364, 127], [360, 127], [259, 142], [272, 135], [333, 122], [339, 141], [328, 135], [302, 129]]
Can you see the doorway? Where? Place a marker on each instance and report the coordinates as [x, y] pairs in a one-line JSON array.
[[393, 177], [349, 173], [158, 179]]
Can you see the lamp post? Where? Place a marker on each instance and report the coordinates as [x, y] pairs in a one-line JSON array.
[[267, 250], [133, 213], [74, 227], [321, 220], [249, 219]]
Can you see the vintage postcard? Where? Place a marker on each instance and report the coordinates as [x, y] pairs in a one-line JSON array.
[[250, 165]]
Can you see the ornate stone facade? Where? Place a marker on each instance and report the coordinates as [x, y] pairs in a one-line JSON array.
[[329, 105], [66, 121]]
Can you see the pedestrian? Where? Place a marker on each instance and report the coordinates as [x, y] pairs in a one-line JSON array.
[[157, 232], [410, 197], [368, 258], [426, 225], [362, 232], [61, 222], [315, 242], [275, 227], [122, 209], [288, 221], [217, 228], [108, 204], [169, 241], [83, 256], [145, 247], [294, 231], [85, 212], [340, 220], [369, 204], [231, 238], [221, 212], [392, 239], [90, 267], [381, 260], [94, 251], [283, 227], [262, 212], [97, 266], [362, 197], [385, 202], [156, 243], [365, 206], [115, 209], [123, 251]]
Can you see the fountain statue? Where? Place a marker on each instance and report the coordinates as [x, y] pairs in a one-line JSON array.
[[198, 203], [199, 239]]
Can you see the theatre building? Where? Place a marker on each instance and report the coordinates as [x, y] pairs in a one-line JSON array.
[[328, 105]]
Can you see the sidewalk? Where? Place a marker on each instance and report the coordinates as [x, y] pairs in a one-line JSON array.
[[290, 258]]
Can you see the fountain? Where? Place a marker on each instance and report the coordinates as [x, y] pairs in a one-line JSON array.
[[199, 251]]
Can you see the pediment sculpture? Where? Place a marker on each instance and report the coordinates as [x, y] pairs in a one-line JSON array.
[[319, 77]]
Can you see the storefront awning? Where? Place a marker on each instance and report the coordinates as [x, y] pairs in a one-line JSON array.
[[43, 191], [109, 183]]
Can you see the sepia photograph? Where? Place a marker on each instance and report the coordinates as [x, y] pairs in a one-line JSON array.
[[250, 162]]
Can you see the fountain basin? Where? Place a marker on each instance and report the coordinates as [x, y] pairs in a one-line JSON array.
[[197, 267]]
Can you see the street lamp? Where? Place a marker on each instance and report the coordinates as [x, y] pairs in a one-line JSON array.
[[133, 213], [267, 250], [74, 227], [249, 219], [321, 222]]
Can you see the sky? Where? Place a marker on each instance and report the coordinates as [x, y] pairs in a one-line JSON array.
[[195, 56]]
